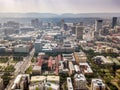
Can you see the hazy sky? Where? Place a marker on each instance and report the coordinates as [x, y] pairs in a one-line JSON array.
[[60, 6]]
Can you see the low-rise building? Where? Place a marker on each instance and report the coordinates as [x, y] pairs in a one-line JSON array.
[[80, 82], [21, 82], [22, 48], [36, 70], [85, 68], [69, 84], [97, 84], [40, 79], [101, 60], [80, 57], [71, 68], [51, 86], [1, 84], [53, 79]]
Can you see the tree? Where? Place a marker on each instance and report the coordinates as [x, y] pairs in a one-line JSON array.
[[6, 78]]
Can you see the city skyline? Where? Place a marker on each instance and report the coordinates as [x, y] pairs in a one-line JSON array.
[[60, 6]]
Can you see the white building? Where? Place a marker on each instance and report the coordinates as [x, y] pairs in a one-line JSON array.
[[35, 79], [69, 83], [18, 81], [97, 84], [51, 86], [77, 68], [53, 79], [22, 48], [80, 82]]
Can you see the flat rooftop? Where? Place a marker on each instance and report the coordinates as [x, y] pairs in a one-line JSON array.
[[53, 78], [38, 78]]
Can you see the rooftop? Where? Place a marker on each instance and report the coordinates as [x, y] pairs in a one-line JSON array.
[[53, 78], [38, 78]]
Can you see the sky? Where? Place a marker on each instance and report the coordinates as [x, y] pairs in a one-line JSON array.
[[60, 6]]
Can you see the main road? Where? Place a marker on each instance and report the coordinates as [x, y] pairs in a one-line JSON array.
[[23, 68]]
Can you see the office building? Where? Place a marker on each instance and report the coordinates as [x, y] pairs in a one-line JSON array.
[[38, 46], [73, 30], [22, 48], [79, 32], [98, 25], [114, 22], [35, 23]]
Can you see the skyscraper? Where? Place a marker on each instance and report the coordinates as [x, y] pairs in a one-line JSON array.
[[114, 22], [36, 23], [79, 31], [98, 25]]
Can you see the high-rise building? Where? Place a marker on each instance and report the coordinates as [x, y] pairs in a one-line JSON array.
[[79, 32], [98, 25], [65, 27], [73, 30], [97, 84], [36, 23], [38, 46], [80, 82], [114, 22], [0, 25]]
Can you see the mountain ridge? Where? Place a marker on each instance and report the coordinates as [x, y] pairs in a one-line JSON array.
[[53, 15]]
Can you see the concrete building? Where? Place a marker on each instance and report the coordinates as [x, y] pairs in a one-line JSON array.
[[80, 57], [36, 70], [114, 22], [1, 84], [79, 31], [85, 68], [22, 48], [98, 25], [36, 79], [38, 46], [37, 82], [51, 86], [73, 30], [77, 68], [79, 82], [97, 84], [53, 79], [71, 68], [21, 82], [36, 23], [101, 60], [69, 84]]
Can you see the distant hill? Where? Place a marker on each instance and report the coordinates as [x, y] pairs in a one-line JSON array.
[[52, 15]]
